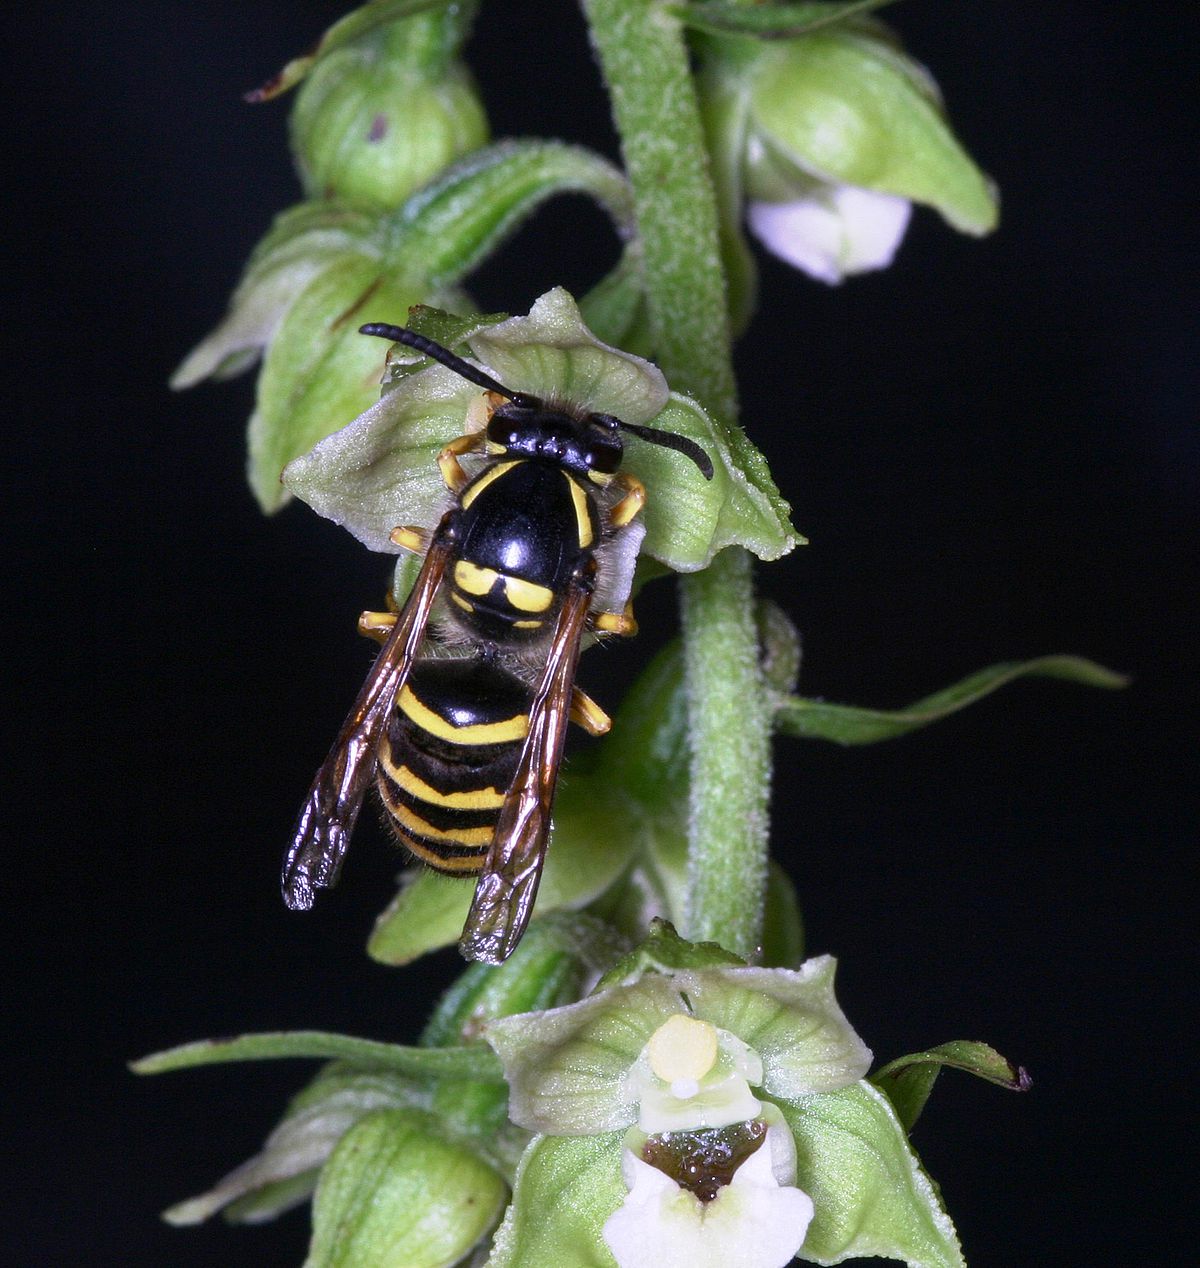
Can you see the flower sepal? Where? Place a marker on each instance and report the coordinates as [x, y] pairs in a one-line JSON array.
[[303, 243], [871, 1196], [572, 1070]]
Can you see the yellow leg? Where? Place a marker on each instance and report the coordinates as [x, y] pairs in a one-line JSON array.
[[631, 503], [585, 712], [377, 625], [623, 624], [455, 477], [409, 538]]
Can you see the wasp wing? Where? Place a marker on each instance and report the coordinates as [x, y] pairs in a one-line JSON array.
[[508, 882], [327, 817]]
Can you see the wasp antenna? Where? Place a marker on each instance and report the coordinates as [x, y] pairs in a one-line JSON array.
[[671, 440], [410, 338]]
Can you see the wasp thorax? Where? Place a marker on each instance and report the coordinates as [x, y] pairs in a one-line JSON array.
[[552, 435]]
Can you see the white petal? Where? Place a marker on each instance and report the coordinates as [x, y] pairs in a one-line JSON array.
[[752, 1223], [834, 231], [778, 1154]]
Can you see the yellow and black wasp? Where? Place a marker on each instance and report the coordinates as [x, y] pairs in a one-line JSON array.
[[461, 725]]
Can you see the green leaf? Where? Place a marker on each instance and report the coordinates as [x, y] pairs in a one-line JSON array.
[[908, 1081], [396, 1192], [693, 518], [847, 724], [644, 762], [565, 1189], [771, 21], [871, 1195], [450, 227], [473, 1063], [303, 242], [645, 756], [284, 1172]]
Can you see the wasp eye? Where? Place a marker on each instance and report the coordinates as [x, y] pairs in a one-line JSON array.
[[605, 455], [501, 430]]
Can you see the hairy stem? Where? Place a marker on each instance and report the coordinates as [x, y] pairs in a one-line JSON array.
[[644, 57]]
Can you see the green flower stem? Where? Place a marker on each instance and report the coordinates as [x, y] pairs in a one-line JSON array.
[[644, 58], [731, 757]]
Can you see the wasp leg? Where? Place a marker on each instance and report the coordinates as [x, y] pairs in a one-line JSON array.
[[412, 539], [633, 501], [377, 625], [622, 624], [586, 713], [452, 473]]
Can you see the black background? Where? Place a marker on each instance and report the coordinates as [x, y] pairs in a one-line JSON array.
[[991, 445]]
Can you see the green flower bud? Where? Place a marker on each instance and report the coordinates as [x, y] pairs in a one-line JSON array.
[[381, 116], [839, 133], [296, 306], [397, 1192]]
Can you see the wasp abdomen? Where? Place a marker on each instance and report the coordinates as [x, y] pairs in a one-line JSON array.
[[448, 757]]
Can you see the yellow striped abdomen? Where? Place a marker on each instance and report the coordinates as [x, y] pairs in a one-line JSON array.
[[448, 757]]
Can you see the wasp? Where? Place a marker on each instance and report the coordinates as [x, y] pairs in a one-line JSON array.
[[461, 722]]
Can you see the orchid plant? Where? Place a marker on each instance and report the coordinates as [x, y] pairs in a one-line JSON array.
[[656, 1076]]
